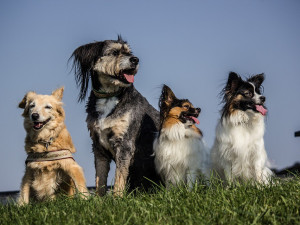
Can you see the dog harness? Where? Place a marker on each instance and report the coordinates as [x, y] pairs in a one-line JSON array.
[[49, 156]]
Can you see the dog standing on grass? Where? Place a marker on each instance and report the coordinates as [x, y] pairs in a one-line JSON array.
[[238, 153], [50, 166], [180, 153], [121, 122]]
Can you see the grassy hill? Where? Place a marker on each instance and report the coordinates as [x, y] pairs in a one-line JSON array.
[[278, 203]]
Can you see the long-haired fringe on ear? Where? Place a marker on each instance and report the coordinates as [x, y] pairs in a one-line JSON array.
[[84, 57], [232, 83]]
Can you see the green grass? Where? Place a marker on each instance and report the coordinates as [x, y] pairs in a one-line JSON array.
[[240, 204]]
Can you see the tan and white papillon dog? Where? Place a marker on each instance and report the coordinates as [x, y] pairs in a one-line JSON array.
[[180, 152], [238, 153]]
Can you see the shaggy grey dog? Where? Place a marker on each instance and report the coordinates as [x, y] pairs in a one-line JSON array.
[[121, 122]]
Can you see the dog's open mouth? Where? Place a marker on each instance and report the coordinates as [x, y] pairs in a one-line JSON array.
[[193, 119], [40, 125], [250, 105], [127, 76], [190, 117]]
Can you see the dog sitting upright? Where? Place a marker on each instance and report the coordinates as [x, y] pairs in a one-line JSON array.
[[238, 152], [180, 153], [121, 122], [50, 166]]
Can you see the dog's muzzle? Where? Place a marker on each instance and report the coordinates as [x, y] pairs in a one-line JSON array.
[[37, 125]]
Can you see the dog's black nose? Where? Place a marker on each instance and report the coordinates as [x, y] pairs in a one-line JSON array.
[[262, 99], [197, 110], [134, 60], [35, 116]]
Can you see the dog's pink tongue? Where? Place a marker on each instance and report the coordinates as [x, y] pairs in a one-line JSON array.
[[129, 78], [195, 119], [38, 125], [261, 109]]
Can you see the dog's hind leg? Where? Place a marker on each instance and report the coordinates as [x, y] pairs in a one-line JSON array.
[[68, 186], [102, 165]]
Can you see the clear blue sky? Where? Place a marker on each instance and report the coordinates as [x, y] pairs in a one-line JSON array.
[[189, 45]]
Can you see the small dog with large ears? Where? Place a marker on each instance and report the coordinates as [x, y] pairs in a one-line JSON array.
[[180, 152], [238, 153]]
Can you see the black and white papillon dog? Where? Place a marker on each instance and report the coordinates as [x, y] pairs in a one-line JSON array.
[[238, 153]]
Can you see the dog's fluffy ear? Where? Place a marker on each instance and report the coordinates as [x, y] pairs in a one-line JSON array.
[[233, 82], [58, 93], [84, 58], [165, 101], [257, 79], [167, 96], [26, 99]]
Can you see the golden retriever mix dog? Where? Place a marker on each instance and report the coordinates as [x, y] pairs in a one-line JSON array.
[[50, 166]]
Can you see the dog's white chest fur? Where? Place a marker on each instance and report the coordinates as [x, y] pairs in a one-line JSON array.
[[180, 155], [239, 150], [104, 106], [106, 124]]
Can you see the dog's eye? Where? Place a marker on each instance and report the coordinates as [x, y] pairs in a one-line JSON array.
[[31, 106], [186, 106], [115, 53], [48, 107], [248, 94]]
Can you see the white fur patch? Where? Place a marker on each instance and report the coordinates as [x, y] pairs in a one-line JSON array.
[[238, 150], [105, 124], [256, 96], [106, 105], [180, 155]]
